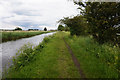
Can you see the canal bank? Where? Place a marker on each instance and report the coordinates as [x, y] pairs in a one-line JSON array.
[[10, 48]]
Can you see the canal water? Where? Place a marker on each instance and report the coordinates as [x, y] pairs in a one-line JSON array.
[[10, 48]]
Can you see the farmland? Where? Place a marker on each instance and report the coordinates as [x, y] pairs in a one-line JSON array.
[[14, 35]]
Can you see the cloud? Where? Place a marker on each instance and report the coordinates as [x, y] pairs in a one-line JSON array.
[[35, 13], [10, 27]]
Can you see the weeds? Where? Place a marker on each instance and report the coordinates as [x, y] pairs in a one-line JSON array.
[[26, 54]]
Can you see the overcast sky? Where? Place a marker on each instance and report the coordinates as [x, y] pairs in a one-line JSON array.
[[34, 13]]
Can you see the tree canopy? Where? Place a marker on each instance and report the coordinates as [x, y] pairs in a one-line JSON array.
[[17, 28], [60, 28], [76, 24], [99, 19], [45, 29], [102, 18]]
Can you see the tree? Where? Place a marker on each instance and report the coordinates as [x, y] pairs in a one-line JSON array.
[[67, 28], [45, 29], [17, 28], [60, 28], [102, 17], [77, 25]]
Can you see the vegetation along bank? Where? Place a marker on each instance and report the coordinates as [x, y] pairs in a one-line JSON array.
[[52, 59], [14, 35]]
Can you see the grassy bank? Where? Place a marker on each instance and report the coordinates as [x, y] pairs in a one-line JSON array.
[[14, 35], [97, 61], [51, 59]]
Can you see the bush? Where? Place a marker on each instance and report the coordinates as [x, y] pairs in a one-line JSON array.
[[60, 28]]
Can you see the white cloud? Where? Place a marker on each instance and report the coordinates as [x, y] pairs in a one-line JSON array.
[[8, 26], [35, 12]]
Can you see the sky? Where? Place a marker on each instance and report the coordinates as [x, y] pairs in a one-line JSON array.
[[34, 13]]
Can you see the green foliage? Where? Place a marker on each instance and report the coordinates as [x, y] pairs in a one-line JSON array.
[[67, 28], [102, 18], [77, 25], [97, 61], [46, 39], [17, 28], [60, 28], [51, 61], [0, 36], [25, 55], [8, 36]]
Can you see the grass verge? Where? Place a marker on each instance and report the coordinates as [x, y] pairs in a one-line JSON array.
[[50, 59], [97, 61]]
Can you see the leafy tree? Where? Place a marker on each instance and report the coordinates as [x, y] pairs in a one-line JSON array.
[[102, 17], [60, 28], [76, 24], [67, 28], [17, 28], [45, 29]]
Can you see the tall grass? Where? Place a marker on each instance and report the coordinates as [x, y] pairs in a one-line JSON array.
[[8, 36], [27, 53], [97, 61], [50, 59]]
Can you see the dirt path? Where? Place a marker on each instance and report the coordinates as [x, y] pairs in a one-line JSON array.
[[76, 62]]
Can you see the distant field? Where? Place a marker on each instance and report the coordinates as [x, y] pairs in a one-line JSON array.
[[14, 35]]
